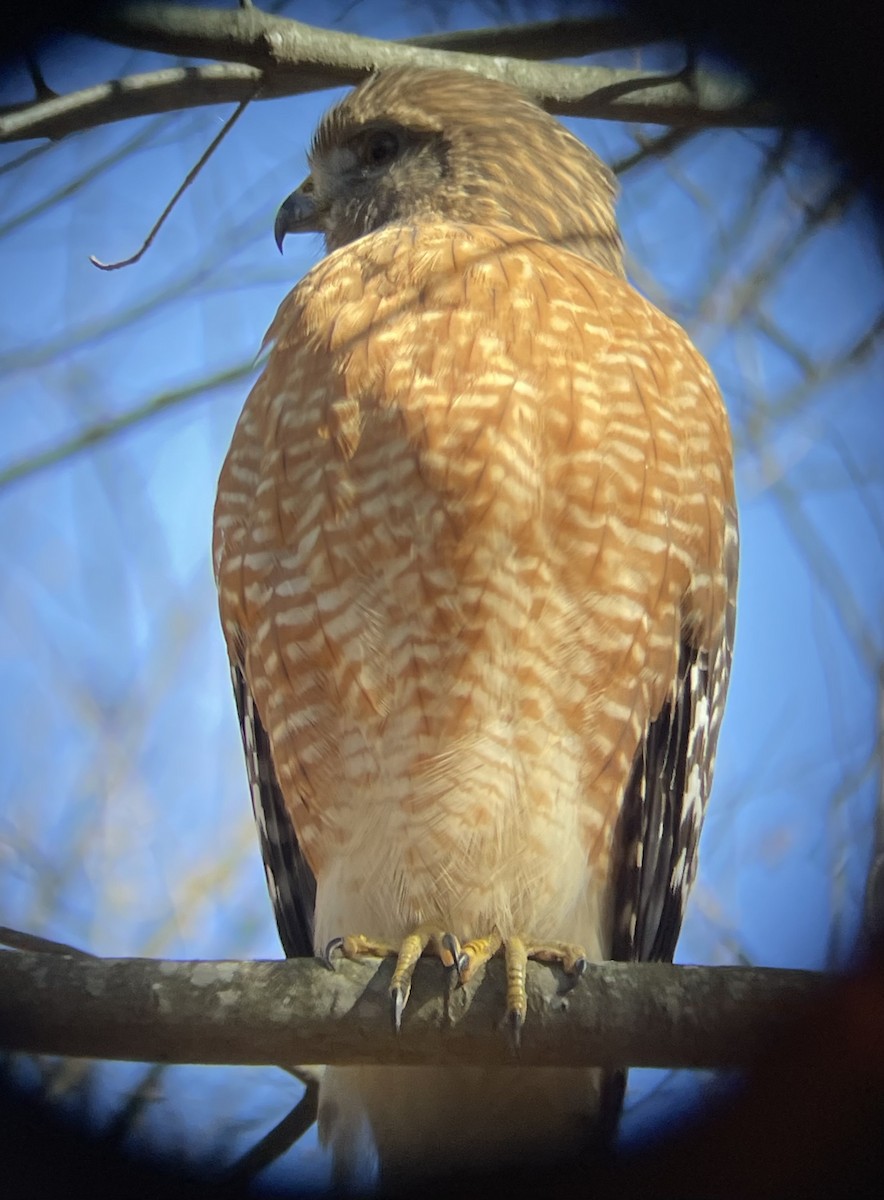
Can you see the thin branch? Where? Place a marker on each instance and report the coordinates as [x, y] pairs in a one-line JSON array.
[[188, 180], [17, 939], [651, 148], [145, 1092], [824, 565], [779, 338], [103, 431], [140, 138], [41, 88], [309, 1076], [199, 279], [839, 365], [773, 260], [279, 1140], [745, 223], [288, 58], [25, 157], [647, 1014], [155, 92]]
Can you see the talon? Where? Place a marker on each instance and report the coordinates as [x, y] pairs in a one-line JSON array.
[[575, 971], [466, 960], [355, 946], [451, 946], [411, 949], [337, 943], [476, 953], [515, 1020], [460, 960], [399, 996], [572, 959]]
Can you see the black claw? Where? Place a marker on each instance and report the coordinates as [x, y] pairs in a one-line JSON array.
[[460, 960], [452, 945], [515, 1021], [400, 999], [576, 973], [335, 944]]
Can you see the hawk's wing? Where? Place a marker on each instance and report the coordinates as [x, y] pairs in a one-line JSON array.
[[668, 791], [289, 879]]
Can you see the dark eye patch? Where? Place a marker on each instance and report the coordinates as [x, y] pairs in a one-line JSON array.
[[380, 147]]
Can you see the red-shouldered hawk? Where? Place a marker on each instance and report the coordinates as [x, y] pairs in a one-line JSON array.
[[476, 550]]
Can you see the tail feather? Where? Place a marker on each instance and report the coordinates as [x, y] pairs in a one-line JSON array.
[[428, 1121]]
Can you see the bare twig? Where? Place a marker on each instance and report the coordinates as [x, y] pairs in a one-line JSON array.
[[41, 88], [188, 180], [143, 136], [825, 567], [141, 1095], [651, 148], [17, 939], [830, 205], [280, 1139], [104, 430], [794, 399]]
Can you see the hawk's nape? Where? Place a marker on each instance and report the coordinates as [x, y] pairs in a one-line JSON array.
[[476, 551]]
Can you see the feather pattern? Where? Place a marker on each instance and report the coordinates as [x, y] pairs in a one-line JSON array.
[[290, 881], [476, 552]]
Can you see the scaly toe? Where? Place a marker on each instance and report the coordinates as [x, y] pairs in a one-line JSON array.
[[356, 946], [515, 955], [475, 953], [410, 951], [570, 957]]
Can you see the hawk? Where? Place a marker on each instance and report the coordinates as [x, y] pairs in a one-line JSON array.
[[475, 544]]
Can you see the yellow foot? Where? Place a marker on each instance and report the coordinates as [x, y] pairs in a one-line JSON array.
[[516, 952], [466, 958], [406, 955]]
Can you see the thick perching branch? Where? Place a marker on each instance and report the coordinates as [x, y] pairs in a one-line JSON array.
[[252, 49], [649, 1014]]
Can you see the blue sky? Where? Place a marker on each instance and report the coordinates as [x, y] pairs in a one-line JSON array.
[[125, 824]]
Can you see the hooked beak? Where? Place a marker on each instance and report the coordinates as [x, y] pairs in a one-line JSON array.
[[297, 213]]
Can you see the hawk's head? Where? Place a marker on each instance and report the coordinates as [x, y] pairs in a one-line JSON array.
[[410, 145]]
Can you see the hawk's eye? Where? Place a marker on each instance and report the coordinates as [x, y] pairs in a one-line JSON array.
[[380, 148]]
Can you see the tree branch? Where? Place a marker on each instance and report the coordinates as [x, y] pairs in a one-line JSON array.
[[101, 431], [237, 35], [648, 1014], [286, 58]]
